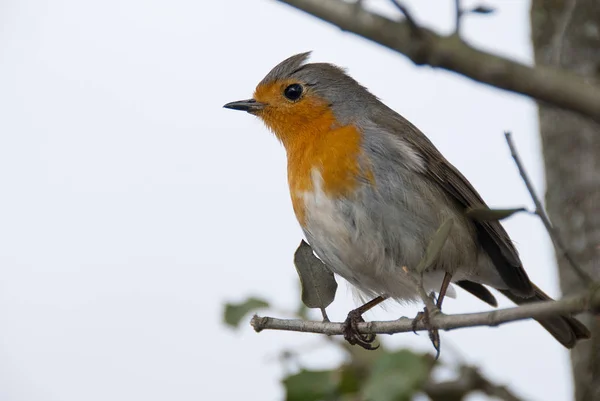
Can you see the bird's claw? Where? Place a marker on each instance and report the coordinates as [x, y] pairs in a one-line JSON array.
[[353, 336], [416, 320], [434, 334]]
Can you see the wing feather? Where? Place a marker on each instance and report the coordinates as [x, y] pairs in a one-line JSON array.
[[491, 235]]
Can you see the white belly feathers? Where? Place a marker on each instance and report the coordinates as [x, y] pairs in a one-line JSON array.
[[352, 242]]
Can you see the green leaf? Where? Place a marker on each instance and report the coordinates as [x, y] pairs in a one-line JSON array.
[[397, 376], [310, 385], [234, 313], [435, 245], [317, 281], [349, 380], [487, 214]]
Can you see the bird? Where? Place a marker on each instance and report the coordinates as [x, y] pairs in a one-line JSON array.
[[370, 190]]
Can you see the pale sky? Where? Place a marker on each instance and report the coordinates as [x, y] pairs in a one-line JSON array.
[[134, 206]]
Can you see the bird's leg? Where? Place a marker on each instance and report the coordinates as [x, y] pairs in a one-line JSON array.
[[442, 294], [351, 333], [434, 334], [443, 289]]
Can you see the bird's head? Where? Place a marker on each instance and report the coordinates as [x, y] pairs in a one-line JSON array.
[[298, 99]]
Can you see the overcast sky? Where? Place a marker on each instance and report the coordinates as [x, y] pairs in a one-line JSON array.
[[133, 206]]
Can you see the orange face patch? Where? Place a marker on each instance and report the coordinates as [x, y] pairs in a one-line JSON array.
[[287, 118], [313, 139]]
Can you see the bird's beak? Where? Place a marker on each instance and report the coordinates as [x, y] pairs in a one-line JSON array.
[[250, 105]]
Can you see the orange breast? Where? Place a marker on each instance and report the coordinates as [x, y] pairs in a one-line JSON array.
[[315, 141], [334, 155]]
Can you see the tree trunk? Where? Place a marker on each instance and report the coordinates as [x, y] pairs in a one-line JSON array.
[[566, 33]]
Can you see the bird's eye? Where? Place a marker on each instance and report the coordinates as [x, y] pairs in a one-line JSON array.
[[293, 92]]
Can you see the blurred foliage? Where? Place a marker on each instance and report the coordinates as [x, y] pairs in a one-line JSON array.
[[390, 376], [397, 376], [234, 313], [382, 375]]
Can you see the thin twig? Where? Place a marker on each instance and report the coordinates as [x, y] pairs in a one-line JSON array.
[[587, 301], [457, 16], [540, 211], [414, 27]]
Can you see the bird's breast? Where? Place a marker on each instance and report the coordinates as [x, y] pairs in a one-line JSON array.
[[328, 165]]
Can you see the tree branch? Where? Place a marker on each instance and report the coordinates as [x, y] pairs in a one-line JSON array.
[[551, 85], [541, 212], [586, 302]]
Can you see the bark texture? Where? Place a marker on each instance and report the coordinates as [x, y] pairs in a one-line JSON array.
[[566, 33]]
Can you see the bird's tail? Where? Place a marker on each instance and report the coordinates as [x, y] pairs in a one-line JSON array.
[[566, 329]]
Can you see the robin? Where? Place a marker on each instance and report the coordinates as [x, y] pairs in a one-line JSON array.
[[370, 191]]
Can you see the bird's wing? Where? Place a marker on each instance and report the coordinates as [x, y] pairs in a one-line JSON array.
[[491, 234]]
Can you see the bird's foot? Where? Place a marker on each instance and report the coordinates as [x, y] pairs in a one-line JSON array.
[[434, 334], [353, 336]]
